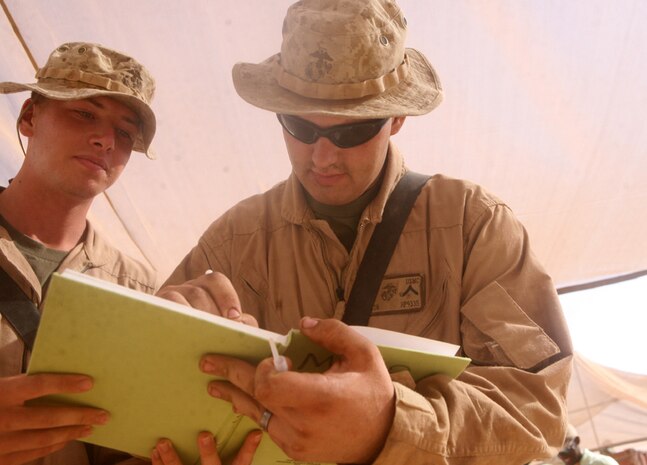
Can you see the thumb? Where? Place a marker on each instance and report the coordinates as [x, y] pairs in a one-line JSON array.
[[339, 338]]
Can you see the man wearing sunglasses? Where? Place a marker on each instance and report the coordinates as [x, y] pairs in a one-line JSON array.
[[461, 272]]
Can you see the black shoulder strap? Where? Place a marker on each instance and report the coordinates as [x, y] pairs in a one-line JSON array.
[[18, 309], [380, 248]]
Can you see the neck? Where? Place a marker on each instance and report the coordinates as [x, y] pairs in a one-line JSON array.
[[55, 220]]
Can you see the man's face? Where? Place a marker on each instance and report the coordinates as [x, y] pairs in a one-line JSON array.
[[78, 147], [336, 176]]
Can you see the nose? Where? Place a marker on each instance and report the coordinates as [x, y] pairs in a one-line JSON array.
[[103, 137], [324, 153]]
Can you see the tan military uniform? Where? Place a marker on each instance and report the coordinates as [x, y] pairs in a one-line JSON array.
[[462, 272], [94, 257]]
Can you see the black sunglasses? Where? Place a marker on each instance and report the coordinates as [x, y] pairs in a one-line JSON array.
[[343, 135]]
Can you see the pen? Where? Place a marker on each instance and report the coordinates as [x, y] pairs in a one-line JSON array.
[[280, 363]]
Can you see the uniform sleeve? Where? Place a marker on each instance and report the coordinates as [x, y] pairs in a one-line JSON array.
[[194, 264], [509, 405], [210, 253]]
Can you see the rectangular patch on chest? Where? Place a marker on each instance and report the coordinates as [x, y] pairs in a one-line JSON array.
[[400, 294]]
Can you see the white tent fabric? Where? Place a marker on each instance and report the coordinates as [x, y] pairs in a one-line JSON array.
[[545, 105], [608, 407]]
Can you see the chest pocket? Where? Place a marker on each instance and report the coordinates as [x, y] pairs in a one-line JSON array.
[[496, 331]]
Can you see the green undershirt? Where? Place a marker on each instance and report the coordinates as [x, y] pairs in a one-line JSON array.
[[343, 219], [43, 260]]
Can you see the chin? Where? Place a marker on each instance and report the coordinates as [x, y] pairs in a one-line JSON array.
[[88, 192]]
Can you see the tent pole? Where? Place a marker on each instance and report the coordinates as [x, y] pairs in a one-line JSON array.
[[623, 443], [586, 402], [19, 36]]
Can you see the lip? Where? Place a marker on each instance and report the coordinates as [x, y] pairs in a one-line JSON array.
[[327, 179], [93, 163]]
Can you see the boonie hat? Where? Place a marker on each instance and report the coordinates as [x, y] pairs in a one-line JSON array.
[[80, 70], [342, 58]]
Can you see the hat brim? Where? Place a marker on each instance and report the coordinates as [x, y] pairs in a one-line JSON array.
[[64, 92], [418, 94]]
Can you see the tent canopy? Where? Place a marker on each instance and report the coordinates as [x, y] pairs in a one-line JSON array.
[[545, 105]]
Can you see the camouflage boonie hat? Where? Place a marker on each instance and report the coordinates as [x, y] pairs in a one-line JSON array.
[[342, 58], [78, 70]]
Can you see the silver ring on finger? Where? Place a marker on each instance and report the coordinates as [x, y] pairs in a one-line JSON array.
[[265, 420]]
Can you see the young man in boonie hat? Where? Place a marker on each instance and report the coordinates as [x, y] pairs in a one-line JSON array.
[[88, 109], [461, 272]]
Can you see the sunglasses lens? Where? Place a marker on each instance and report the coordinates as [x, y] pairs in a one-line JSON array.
[[299, 129], [355, 134], [343, 136]]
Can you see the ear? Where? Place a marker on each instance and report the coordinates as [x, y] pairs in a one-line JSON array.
[[25, 121], [396, 124], [576, 440]]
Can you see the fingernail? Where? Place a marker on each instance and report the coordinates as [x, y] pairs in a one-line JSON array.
[[84, 384], [213, 391], [163, 445], [308, 322], [206, 439], [87, 431], [207, 366], [102, 418], [155, 454], [233, 313], [257, 437]]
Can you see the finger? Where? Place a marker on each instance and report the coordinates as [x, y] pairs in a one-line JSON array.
[[207, 447], [223, 293], [274, 389], [236, 371], [17, 458], [34, 418], [269, 368], [213, 293], [14, 390], [192, 296], [173, 294], [246, 453], [166, 453], [155, 457], [242, 403], [26, 441], [340, 339], [249, 320]]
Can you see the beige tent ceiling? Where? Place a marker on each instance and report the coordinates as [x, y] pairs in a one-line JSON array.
[[608, 407], [545, 105]]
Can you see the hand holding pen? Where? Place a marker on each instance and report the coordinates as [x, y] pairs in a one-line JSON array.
[[342, 415]]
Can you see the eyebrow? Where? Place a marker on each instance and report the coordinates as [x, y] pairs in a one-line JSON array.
[[127, 119]]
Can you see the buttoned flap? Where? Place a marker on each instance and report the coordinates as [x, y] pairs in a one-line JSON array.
[[496, 331]]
